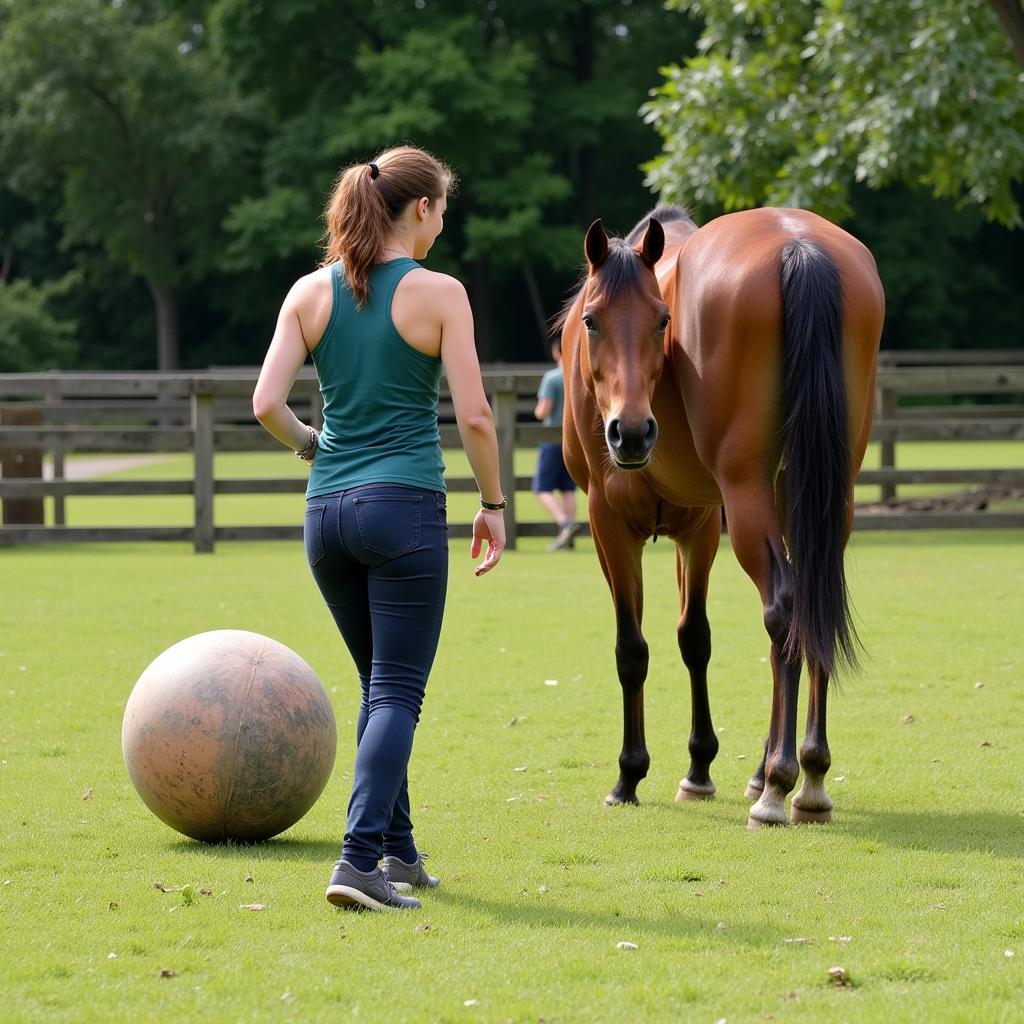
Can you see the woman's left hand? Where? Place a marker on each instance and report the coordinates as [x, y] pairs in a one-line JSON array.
[[488, 526]]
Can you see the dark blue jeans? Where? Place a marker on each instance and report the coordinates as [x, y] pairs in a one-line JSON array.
[[379, 554]]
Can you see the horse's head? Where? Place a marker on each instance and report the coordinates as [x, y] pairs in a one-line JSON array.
[[621, 352]]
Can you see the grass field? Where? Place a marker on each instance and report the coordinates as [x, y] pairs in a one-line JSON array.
[[243, 510], [916, 889]]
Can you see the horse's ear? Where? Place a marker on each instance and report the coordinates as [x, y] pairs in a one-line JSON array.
[[653, 244], [596, 244]]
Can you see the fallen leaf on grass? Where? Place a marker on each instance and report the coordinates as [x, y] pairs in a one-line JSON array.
[[471, 1002], [839, 976], [1008, 953], [515, 718], [422, 928], [112, 905], [985, 743], [252, 906], [840, 938], [111, 956], [249, 878], [161, 887], [800, 941], [87, 794], [907, 719], [205, 892], [626, 945], [166, 972]]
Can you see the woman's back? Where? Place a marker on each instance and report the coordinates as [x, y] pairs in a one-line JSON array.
[[380, 393]]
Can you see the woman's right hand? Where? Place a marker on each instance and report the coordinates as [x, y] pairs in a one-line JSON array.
[[488, 526]]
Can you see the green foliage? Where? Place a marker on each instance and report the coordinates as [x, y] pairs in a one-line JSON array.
[[791, 103], [32, 335]]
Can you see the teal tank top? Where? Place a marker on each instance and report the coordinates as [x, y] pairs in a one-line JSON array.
[[380, 394]]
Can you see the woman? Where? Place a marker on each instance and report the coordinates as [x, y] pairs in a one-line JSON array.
[[380, 328]]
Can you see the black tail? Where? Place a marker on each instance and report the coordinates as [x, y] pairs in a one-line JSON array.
[[816, 457]]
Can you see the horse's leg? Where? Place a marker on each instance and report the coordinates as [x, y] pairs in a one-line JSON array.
[[755, 787], [812, 803], [757, 541], [693, 567], [620, 553]]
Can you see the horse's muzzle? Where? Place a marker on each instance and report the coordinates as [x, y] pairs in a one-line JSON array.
[[630, 444]]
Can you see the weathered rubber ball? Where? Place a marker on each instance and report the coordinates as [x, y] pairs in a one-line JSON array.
[[229, 735]]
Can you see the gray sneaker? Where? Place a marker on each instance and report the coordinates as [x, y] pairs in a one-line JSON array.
[[565, 541], [409, 876], [353, 889]]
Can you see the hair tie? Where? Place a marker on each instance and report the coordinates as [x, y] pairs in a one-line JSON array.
[[374, 171]]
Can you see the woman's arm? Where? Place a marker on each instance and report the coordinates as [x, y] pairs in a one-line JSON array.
[[473, 416], [284, 359]]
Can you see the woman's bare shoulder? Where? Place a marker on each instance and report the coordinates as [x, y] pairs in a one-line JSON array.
[[311, 286], [440, 289]]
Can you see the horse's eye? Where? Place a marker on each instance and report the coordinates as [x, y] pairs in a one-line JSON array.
[[665, 320], [588, 322]]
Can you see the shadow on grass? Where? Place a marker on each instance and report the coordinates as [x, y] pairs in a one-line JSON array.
[[993, 832], [671, 922], [270, 849]]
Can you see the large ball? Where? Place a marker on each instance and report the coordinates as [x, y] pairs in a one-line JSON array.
[[229, 735]]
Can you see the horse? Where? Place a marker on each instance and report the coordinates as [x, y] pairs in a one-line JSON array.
[[730, 366]]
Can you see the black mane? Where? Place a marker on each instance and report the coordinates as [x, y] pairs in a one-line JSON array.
[[663, 215], [620, 272]]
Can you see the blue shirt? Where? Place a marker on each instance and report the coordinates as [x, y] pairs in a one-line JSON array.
[[552, 386]]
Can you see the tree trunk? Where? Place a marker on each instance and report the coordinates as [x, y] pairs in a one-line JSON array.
[[583, 64], [480, 299], [537, 304], [165, 304], [1011, 14]]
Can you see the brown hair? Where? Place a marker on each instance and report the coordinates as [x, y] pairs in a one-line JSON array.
[[367, 199]]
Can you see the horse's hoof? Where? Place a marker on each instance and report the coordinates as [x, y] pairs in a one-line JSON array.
[[753, 824], [613, 800], [753, 792], [801, 817], [695, 791]]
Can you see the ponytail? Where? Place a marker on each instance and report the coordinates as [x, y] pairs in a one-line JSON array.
[[364, 205]]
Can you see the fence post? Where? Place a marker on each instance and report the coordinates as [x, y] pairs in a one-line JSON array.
[[54, 398], [505, 426], [202, 428], [22, 462], [885, 409]]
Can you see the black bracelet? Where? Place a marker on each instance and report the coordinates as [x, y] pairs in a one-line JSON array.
[[492, 506], [310, 444]]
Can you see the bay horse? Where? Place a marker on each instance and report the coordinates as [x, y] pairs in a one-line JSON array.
[[731, 365]]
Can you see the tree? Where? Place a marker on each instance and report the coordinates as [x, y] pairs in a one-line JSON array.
[[792, 102], [533, 101], [33, 336], [144, 134]]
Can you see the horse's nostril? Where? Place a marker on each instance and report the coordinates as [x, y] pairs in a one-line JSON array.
[[614, 437], [650, 429]]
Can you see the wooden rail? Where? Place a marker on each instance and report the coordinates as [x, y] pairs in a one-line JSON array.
[[209, 412]]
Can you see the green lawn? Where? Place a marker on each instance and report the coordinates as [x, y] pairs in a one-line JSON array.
[[916, 889], [243, 510]]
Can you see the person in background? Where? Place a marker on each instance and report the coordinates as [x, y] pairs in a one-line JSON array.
[[554, 488], [380, 328]]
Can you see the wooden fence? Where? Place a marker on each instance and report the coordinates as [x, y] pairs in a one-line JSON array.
[[209, 412]]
